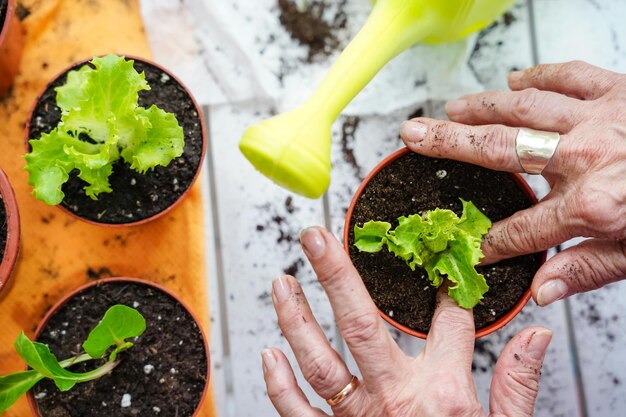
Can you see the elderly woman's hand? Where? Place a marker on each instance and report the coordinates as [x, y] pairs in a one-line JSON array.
[[587, 173], [436, 383]]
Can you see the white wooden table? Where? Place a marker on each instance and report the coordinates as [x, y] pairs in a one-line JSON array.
[[253, 225]]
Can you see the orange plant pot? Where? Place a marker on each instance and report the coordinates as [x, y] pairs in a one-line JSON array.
[[11, 44], [42, 324], [197, 107], [12, 246], [496, 325]]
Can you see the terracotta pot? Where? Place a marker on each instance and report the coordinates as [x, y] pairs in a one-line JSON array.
[[11, 44], [498, 324], [204, 142], [42, 324], [12, 247]]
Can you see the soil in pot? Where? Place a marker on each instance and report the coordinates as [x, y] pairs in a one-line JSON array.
[[3, 11], [164, 374], [135, 197], [3, 227], [412, 184]]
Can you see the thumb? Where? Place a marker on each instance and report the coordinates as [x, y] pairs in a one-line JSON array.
[[515, 381]]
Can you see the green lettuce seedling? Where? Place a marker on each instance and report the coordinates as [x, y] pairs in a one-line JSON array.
[[101, 122], [293, 148], [439, 242], [118, 324]]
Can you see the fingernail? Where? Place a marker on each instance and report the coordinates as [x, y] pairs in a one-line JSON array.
[[456, 107], [538, 344], [515, 76], [269, 360], [281, 289], [551, 291], [312, 242], [413, 131]]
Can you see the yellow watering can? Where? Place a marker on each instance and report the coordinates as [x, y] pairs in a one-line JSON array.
[[293, 148]]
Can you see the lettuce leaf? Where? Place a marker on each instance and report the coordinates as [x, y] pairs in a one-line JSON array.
[[438, 241], [101, 121]]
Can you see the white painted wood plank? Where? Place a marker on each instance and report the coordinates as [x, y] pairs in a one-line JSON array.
[[498, 50], [218, 376], [592, 31], [259, 227]]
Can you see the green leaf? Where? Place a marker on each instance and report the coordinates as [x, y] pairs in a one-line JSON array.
[[13, 386], [456, 264], [118, 324], [371, 237], [38, 356], [110, 93], [56, 154], [164, 141], [101, 104], [440, 242]]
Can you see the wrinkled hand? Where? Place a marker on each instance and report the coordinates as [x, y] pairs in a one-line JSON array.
[[436, 383], [587, 173]]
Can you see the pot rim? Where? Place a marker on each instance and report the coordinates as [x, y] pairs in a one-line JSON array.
[[42, 323], [202, 125], [12, 245], [4, 28], [491, 328]]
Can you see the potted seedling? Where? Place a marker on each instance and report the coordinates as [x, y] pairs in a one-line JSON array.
[[9, 230], [416, 223], [114, 141], [146, 356], [293, 148], [11, 43]]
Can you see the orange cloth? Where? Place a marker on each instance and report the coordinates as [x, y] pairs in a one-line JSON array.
[[57, 251]]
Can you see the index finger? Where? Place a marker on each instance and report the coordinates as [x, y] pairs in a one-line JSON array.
[[452, 333], [374, 351]]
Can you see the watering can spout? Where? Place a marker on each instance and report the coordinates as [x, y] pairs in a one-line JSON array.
[[293, 149]]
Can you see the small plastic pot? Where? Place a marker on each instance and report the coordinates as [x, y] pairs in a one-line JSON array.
[[42, 324], [201, 121], [12, 246], [496, 325], [11, 44]]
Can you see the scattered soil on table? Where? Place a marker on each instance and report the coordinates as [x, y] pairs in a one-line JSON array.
[[3, 228], [135, 196], [310, 26], [164, 374], [413, 184]]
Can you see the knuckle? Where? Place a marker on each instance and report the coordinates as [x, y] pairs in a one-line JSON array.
[[278, 390], [332, 272], [398, 408], [517, 236], [523, 104], [498, 153], [360, 329], [523, 383], [596, 209], [451, 315], [448, 397], [319, 371]]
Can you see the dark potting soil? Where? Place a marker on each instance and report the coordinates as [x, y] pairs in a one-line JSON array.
[[3, 12], [164, 373], [415, 183], [310, 28], [135, 196], [3, 227]]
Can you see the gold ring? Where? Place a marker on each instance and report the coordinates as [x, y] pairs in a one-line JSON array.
[[535, 148], [344, 393]]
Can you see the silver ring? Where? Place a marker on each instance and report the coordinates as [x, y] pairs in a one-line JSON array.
[[535, 148]]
